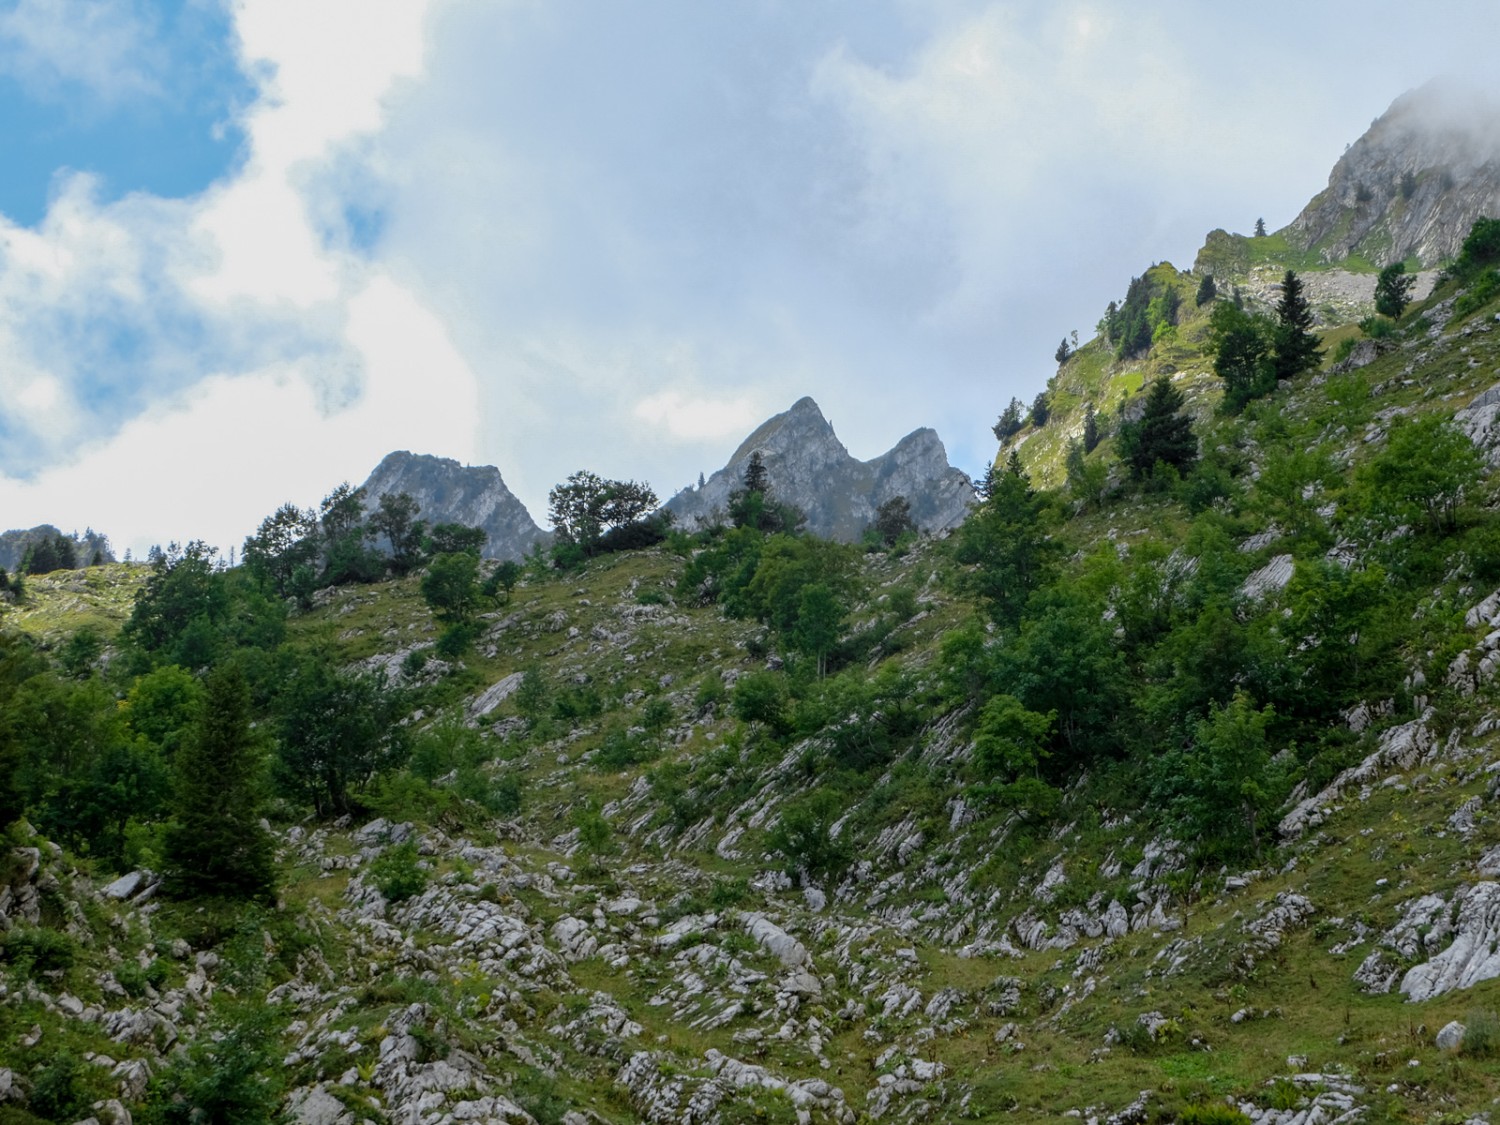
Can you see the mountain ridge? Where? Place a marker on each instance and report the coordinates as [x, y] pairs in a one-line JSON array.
[[810, 468]]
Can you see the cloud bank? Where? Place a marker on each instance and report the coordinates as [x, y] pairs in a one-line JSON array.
[[565, 235]]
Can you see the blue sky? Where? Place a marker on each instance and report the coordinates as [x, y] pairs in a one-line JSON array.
[[143, 96], [248, 248]]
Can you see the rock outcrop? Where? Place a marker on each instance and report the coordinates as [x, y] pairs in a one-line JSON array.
[[810, 468], [1413, 185], [452, 493]]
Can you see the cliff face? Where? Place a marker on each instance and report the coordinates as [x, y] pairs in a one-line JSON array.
[[452, 493], [1413, 185], [810, 467]]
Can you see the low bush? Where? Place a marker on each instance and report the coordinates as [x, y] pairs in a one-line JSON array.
[[398, 872]]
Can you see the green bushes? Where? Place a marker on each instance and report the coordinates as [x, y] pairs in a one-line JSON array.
[[1211, 1113], [398, 872], [804, 838], [39, 950], [1482, 1035], [135, 978]]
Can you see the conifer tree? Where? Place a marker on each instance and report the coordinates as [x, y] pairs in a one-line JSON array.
[[215, 845], [1393, 290], [1295, 347], [1091, 434], [1164, 434]]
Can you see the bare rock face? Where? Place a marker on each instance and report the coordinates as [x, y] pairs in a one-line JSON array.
[[1413, 185], [452, 493], [809, 467]]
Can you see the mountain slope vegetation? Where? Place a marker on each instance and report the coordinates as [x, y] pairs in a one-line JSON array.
[[1164, 795]]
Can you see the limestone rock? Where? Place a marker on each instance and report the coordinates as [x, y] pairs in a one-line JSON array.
[[1269, 578], [1408, 187], [810, 468], [448, 492], [1473, 955], [317, 1106], [1451, 1037]]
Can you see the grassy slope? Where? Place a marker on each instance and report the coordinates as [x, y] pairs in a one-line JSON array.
[[631, 652]]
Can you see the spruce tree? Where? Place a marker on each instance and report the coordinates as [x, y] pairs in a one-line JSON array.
[[1091, 435], [1393, 290], [1295, 347], [215, 845], [1163, 435], [757, 478]]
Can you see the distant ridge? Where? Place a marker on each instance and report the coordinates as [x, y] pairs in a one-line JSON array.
[[810, 467]]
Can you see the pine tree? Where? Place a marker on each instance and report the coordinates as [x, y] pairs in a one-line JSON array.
[[1010, 421], [1295, 347], [1041, 409], [1207, 290], [1393, 290], [1090, 429], [1260, 228], [215, 845], [1163, 435], [757, 477]]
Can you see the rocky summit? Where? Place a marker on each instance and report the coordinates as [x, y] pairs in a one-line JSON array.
[[448, 492], [810, 468], [1412, 186]]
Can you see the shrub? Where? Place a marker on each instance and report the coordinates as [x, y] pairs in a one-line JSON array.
[[760, 698], [505, 795], [803, 835], [593, 831], [59, 1091], [1482, 1035], [1211, 1113], [456, 640], [711, 691], [398, 873], [1378, 327], [135, 978], [220, 1078], [39, 950], [1478, 294], [657, 715]]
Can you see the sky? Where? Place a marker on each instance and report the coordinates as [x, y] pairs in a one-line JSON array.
[[248, 247]]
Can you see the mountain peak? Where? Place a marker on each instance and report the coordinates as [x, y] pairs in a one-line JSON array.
[[448, 492], [810, 467], [1412, 185]]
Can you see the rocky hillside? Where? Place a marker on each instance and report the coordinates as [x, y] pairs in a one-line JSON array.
[[1169, 800], [810, 468], [1412, 186], [448, 492], [619, 882]]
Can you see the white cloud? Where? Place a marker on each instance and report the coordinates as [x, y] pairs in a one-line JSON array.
[[107, 47], [617, 237], [696, 419], [177, 368], [222, 455]]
